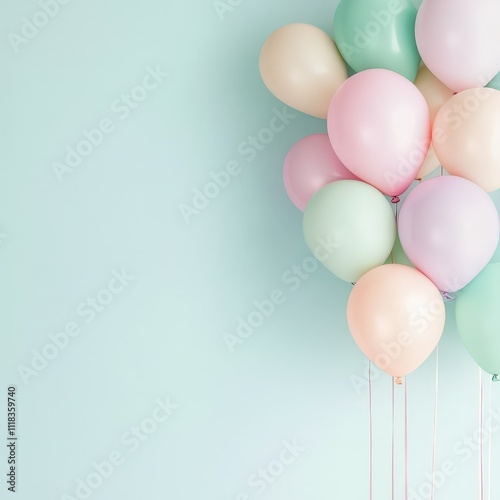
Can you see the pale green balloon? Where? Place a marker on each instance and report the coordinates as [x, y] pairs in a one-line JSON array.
[[378, 34], [478, 318], [495, 83], [397, 255], [350, 228]]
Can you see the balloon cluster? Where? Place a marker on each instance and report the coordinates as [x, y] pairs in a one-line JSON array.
[[416, 101]]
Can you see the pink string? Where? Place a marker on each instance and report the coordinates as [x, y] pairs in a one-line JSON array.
[[371, 427], [406, 442], [481, 434], [393, 419], [434, 435], [489, 444]]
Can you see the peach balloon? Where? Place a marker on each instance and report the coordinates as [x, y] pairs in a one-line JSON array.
[[396, 316], [466, 136], [301, 65], [436, 94]]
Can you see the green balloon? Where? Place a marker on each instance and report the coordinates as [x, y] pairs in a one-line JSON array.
[[398, 255], [478, 318], [495, 83], [350, 228], [378, 34]]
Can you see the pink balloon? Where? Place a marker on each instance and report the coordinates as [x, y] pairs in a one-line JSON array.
[[309, 165], [380, 127], [459, 41], [449, 229]]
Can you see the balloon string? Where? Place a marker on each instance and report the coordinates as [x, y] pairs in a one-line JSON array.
[[396, 206], [393, 461], [489, 444], [481, 435], [434, 436], [371, 427], [406, 442]]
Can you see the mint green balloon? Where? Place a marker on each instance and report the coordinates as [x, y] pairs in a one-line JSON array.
[[495, 83], [378, 34], [350, 228], [478, 318]]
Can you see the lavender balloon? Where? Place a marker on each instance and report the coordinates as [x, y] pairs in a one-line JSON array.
[[449, 229]]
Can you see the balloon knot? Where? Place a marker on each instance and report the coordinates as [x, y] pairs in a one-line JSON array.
[[448, 297], [495, 378], [395, 199], [353, 283], [399, 380]]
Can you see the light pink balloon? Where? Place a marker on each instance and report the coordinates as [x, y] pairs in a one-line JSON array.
[[459, 41], [311, 164], [449, 228], [379, 125]]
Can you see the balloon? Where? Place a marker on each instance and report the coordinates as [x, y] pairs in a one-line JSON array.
[[377, 34], [449, 229], [350, 228], [436, 94], [430, 164], [459, 41], [466, 136], [396, 317], [478, 316], [302, 67], [495, 83], [379, 126], [310, 165]]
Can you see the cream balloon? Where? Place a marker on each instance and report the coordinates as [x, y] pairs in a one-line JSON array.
[[396, 316], [466, 136], [301, 66], [430, 164], [436, 94]]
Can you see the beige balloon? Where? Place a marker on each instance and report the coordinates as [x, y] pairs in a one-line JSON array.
[[301, 65], [466, 136], [430, 164], [436, 93]]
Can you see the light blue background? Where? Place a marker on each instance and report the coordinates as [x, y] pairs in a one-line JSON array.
[[163, 335]]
